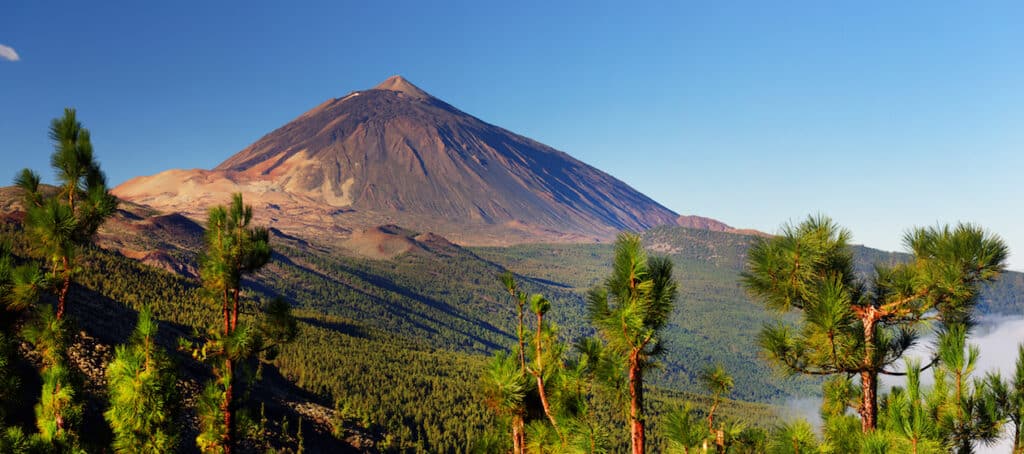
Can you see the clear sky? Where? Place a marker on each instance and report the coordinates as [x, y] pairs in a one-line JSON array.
[[883, 115]]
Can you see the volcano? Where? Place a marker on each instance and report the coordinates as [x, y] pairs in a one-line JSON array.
[[394, 154]]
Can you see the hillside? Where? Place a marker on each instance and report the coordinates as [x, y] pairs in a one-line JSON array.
[[427, 288], [419, 317], [388, 352]]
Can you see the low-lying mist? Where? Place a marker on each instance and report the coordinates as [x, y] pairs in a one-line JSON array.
[[997, 337]]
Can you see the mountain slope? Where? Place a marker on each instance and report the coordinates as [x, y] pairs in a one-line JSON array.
[[396, 155]]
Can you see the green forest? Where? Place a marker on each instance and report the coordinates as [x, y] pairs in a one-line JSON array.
[[672, 340]]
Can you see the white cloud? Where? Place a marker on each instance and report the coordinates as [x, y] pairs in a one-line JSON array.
[[8, 53]]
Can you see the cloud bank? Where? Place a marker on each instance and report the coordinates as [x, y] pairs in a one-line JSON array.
[[997, 338], [8, 53]]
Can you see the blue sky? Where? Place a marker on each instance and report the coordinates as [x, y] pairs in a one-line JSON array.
[[881, 115]]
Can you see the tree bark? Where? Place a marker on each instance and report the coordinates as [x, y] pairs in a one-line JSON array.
[[636, 395], [226, 405], [868, 375], [868, 407], [518, 434], [540, 379], [227, 316], [711, 416], [229, 378], [64, 288], [58, 417], [522, 343], [234, 311]]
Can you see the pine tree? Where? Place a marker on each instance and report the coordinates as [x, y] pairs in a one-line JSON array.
[[20, 288], [719, 383], [546, 361], [143, 398], [58, 411], [504, 387], [793, 437], [685, 433], [520, 300], [13, 440], [969, 412], [498, 379], [910, 414], [20, 285], [58, 225], [1009, 399], [855, 326], [233, 250], [1015, 403], [841, 431], [593, 368], [629, 311]]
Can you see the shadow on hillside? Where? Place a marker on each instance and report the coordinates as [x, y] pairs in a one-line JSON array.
[[113, 322], [436, 305], [382, 303], [279, 390], [547, 282], [108, 322], [407, 314], [347, 329]]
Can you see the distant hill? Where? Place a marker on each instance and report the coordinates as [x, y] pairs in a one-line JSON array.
[[394, 154]]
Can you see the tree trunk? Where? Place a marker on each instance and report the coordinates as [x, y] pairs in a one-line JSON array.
[[711, 416], [64, 288], [869, 397], [540, 379], [234, 311], [522, 343], [229, 379], [518, 434], [226, 405], [227, 316], [720, 441], [58, 418], [868, 376], [636, 407], [544, 403]]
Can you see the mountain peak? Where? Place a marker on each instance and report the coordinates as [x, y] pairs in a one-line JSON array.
[[395, 155], [401, 85]]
